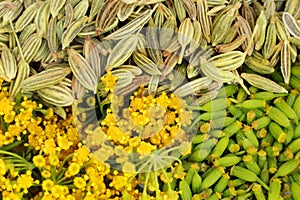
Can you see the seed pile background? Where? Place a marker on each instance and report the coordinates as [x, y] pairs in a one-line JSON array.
[[234, 64]]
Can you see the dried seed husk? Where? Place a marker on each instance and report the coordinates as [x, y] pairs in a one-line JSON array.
[[4, 5], [270, 41], [81, 9], [95, 7], [26, 17], [159, 18], [23, 72], [196, 40], [42, 52], [185, 36], [92, 55], [12, 14], [275, 57], [69, 16], [249, 14], [215, 10], [245, 29], [193, 86], [121, 52], [9, 63], [131, 27], [52, 37], [259, 38], [232, 33], [106, 15], [191, 9], [292, 7], [228, 61], [172, 47], [82, 70], [72, 31], [223, 48], [124, 78], [153, 47], [286, 62], [214, 73], [222, 25], [258, 65], [178, 76], [281, 31], [169, 63], [153, 85], [136, 71], [125, 11], [270, 8], [166, 33], [146, 64], [42, 17], [263, 83], [45, 78], [58, 95], [204, 19], [180, 10], [77, 89], [31, 46], [56, 6], [291, 24]]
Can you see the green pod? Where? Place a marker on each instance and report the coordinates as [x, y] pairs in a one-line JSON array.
[[246, 175], [227, 91], [295, 145], [272, 164], [250, 117], [286, 108], [267, 140], [236, 183], [235, 111], [295, 82], [261, 123], [222, 183], [286, 168], [277, 132], [190, 174], [278, 116], [275, 188], [265, 174], [196, 183], [291, 98], [186, 191], [215, 105], [251, 164], [267, 95], [295, 188], [222, 122], [241, 95], [220, 147], [297, 132], [211, 178], [250, 135], [290, 132], [259, 112], [227, 161], [203, 151], [296, 106], [258, 192], [233, 128]]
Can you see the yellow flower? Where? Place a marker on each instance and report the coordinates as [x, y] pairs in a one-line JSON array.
[[9, 117], [39, 161], [53, 160], [25, 181], [59, 190], [63, 142], [6, 106], [145, 148], [110, 81], [73, 169], [79, 182], [46, 174], [47, 184], [3, 167], [117, 135]]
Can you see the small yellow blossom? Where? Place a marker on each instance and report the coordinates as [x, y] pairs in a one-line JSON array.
[[73, 169], [25, 181], [39, 161], [145, 148], [79, 182], [110, 81], [47, 184]]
